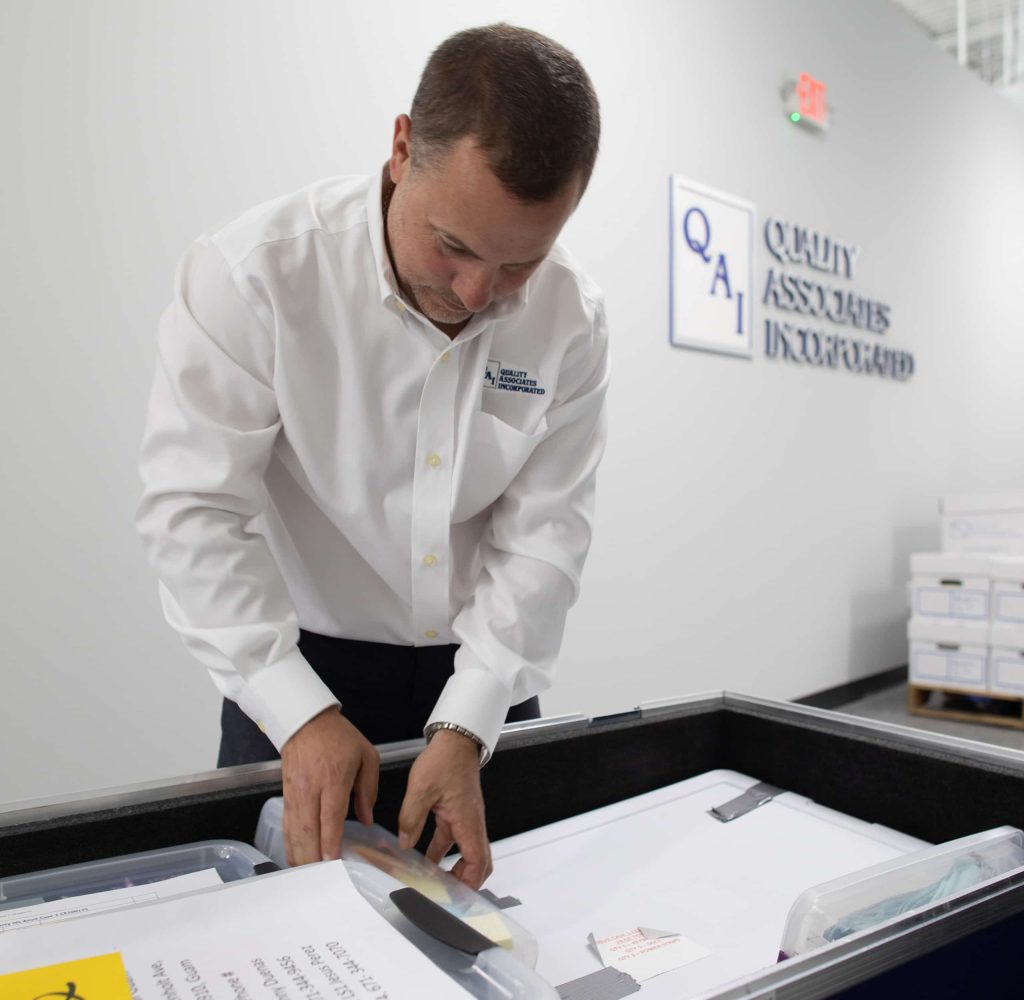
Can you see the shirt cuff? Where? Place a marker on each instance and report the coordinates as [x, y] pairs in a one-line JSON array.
[[282, 698], [474, 699]]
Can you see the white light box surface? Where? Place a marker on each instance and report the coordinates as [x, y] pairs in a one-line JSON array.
[[659, 860]]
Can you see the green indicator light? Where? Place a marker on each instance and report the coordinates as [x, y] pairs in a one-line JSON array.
[[795, 116]]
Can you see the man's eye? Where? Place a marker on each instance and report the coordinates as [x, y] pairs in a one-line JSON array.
[[451, 247]]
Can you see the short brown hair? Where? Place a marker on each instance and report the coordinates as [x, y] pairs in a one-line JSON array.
[[525, 99]]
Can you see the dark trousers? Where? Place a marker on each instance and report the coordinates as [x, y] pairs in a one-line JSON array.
[[387, 693]]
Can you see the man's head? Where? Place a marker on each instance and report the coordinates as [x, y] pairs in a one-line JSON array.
[[498, 151]]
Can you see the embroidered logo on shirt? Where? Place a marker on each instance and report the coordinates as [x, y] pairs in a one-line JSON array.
[[497, 376]]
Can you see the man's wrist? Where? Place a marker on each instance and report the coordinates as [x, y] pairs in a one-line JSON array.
[[436, 727]]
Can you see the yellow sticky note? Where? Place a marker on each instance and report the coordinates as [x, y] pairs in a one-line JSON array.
[[100, 978], [491, 926]]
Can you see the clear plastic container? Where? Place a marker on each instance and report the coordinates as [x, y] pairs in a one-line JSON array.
[[378, 866], [881, 894], [375, 846], [231, 858], [269, 837], [494, 974]]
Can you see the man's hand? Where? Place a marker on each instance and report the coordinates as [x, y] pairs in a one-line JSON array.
[[324, 763], [446, 779]]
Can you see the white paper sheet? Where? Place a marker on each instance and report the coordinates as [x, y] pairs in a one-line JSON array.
[[658, 860], [303, 934], [18, 918]]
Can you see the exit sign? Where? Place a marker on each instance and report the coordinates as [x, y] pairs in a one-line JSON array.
[[806, 102]]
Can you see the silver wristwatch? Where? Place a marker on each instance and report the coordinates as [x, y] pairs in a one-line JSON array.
[[436, 727]]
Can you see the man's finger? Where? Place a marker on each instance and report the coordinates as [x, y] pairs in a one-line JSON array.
[[441, 843], [301, 826], [333, 808], [411, 819], [474, 866], [472, 875], [365, 791]]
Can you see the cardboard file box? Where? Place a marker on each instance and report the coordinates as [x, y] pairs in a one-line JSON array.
[[1008, 591], [950, 587], [983, 523], [1006, 661], [948, 654]]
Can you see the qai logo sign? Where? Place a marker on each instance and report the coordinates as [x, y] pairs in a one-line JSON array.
[[711, 253]]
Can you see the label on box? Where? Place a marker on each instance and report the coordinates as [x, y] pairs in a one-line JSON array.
[[1009, 605], [952, 603], [957, 668], [1007, 671]]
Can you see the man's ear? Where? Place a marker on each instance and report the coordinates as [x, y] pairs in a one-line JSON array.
[[401, 149]]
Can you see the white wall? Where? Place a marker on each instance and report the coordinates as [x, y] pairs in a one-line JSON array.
[[754, 519]]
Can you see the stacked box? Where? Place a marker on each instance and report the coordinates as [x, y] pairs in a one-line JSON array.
[[1006, 633], [992, 523], [967, 626], [950, 597]]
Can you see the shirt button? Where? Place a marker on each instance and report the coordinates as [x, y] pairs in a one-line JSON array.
[[430, 560], [259, 725], [430, 633], [434, 460], [446, 357], [400, 305]]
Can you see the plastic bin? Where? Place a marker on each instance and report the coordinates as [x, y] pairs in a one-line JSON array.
[[232, 859], [378, 866], [884, 893]]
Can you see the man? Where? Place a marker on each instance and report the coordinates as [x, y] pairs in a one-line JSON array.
[[372, 439]]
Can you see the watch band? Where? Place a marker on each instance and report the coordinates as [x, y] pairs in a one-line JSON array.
[[436, 727]]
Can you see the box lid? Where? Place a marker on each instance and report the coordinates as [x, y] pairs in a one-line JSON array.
[[955, 633], [981, 503], [952, 563], [1006, 637], [1008, 568]]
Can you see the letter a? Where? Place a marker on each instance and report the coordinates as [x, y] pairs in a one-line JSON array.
[[721, 274]]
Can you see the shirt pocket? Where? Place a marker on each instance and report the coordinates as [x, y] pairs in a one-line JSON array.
[[493, 455]]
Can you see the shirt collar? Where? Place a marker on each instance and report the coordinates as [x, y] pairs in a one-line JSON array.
[[388, 282]]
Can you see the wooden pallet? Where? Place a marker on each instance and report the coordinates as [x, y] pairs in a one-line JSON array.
[[918, 694]]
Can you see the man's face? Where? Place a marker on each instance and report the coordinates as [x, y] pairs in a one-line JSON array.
[[459, 241]]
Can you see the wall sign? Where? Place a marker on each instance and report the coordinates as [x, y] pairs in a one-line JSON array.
[[818, 300], [814, 315], [711, 269]]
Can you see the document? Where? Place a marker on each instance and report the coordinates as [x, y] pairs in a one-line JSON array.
[[302, 934]]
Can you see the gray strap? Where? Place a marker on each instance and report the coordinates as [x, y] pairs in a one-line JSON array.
[[756, 795], [606, 984], [501, 902]]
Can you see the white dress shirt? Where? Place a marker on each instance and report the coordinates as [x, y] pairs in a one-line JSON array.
[[318, 454]]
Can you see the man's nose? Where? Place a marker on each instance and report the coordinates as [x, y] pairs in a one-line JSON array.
[[474, 285]]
